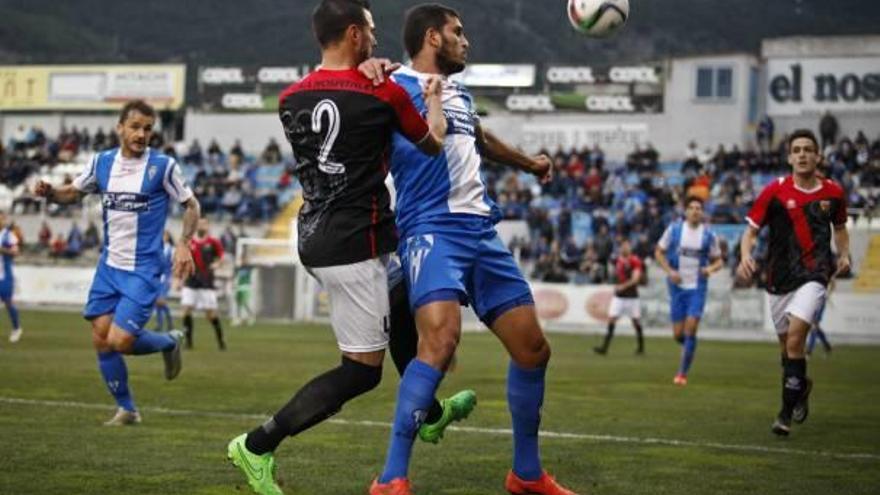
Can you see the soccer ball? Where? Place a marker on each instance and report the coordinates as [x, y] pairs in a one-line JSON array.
[[598, 18]]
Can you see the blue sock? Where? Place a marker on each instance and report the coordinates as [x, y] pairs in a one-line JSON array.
[[160, 323], [822, 337], [149, 342], [169, 322], [687, 354], [811, 341], [115, 375], [414, 398], [13, 315], [525, 396]]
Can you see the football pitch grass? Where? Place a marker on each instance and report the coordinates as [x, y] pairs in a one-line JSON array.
[[612, 425]]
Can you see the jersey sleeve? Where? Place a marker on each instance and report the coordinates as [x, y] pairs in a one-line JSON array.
[[409, 121], [757, 216], [174, 183], [663, 243], [87, 181]]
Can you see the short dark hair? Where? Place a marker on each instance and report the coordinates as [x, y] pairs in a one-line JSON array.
[[331, 18], [139, 106], [421, 18], [690, 199], [803, 133]]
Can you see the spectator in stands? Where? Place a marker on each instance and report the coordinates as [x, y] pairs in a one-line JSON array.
[[74, 242], [764, 133], [44, 237], [194, 154], [99, 142], [591, 269], [59, 246], [828, 128], [272, 153], [237, 151], [91, 238]]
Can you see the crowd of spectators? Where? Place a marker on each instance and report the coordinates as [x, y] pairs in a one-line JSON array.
[[574, 222], [229, 183]]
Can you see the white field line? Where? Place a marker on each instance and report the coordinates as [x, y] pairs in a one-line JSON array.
[[467, 429]]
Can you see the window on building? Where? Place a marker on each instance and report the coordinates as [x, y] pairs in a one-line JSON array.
[[714, 83], [704, 82]]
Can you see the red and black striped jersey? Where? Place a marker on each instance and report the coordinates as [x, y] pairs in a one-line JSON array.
[[800, 224], [340, 127], [205, 251]]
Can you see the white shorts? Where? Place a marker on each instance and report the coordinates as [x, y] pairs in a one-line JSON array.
[[802, 303], [359, 309], [200, 299], [625, 306]]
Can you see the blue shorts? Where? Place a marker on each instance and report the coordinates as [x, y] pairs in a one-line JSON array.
[[463, 259], [128, 296], [820, 312], [7, 287], [686, 303]]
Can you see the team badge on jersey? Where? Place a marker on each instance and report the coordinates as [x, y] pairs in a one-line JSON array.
[[417, 248], [151, 172], [791, 204]]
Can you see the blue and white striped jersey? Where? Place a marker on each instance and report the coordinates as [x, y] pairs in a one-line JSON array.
[[134, 194], [432, 187], [8, 239]]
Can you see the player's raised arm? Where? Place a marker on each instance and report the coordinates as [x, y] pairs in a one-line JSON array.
[[497, 150], [65, 194]]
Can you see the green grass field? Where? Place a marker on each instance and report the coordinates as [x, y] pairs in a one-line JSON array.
[[616, 425]]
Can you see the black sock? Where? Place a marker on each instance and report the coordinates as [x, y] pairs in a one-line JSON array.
[[679, 338], [218, 331], [314, 402], [640, 339], [188, 330], [794, 384], [608, 336], [403, 340]]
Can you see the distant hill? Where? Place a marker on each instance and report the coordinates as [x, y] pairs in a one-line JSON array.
[[261, 32]]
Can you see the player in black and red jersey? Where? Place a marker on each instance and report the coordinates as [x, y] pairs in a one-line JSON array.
[[340, 126], [801, 211], [625, 302], [198, 290]]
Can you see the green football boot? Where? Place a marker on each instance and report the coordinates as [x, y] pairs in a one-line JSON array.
[[258, 469], [455, 408]]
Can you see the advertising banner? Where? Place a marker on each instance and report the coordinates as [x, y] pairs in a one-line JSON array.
[[245, 89], [624, 90], [813, 85], [90, 87]]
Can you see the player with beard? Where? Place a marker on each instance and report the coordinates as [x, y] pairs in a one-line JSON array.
[[340, 126], [136, 184], [452, 255], [800, 211]]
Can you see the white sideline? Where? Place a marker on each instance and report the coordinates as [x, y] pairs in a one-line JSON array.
[[467, 429]]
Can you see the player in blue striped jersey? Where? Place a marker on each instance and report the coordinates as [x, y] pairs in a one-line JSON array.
[[452, 255], [136, 185], [8, 251]]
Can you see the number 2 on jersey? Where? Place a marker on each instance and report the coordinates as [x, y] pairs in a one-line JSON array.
[[333, 123]]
